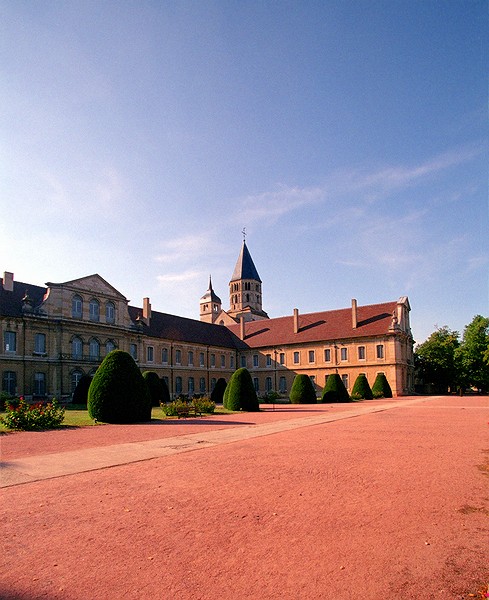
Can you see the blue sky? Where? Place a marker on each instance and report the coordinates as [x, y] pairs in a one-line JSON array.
[[348, 137]]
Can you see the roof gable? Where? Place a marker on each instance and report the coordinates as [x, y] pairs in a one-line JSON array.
[[91, 283]]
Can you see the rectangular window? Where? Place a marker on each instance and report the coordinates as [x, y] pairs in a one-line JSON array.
[[268, 384], [133, 351], [255, 360], [10, 341], [327, 355], [344, 379], [178, 357], [213, 360], [380, 351], [296, 358], [109, 313], [344, 354], [243, 361], [190, 358], [94, 310], [40, 343], [282, 358], [361, 352], [77, 307], [312, 356], [313, 380], [9, 382], [282, 385], [202, 385], [231, 362], [191, 386], [201, 359], [164, 356], [39, 384], [256, 384], [223, 361], [269, 360], [150, 354]]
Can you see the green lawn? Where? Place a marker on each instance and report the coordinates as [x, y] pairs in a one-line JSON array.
[[77, 416]]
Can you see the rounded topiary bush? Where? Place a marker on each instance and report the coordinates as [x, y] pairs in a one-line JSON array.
[[118, 392], [155, 387], [80, 395], [381, 387], [302, 390], [240, 393], [361, 389], [335, 390], [217, 393]]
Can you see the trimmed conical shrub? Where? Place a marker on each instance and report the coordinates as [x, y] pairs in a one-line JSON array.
[[381, 387], [335, 390], [80, 395], [155, 387], [361, 389], [302, 390], [217, 393], [118, 393], [240, 393]]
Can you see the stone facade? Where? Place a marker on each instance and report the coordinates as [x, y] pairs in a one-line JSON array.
[[50, 336]]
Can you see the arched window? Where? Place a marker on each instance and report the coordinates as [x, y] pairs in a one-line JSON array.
[[191, 386], [75, 379], [94, 310], [202, 385], [110, 312], [77, 307], [178, 385], [164, 356], [76, 348], [109, 346], [94, 349]]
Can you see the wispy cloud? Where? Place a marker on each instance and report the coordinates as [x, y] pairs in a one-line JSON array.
[[180, 277], [271, 205], [347, 189], [188, 248]]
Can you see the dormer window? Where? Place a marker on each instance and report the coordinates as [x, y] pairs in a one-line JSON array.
[[94, 310], [77, 307]]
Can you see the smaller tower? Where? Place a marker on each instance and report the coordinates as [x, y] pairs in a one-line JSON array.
[[210, 305]]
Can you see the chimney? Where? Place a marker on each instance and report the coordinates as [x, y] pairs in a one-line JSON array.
[[146, 310], [242, 328], [8, 281], [354, 317], [296, 320]]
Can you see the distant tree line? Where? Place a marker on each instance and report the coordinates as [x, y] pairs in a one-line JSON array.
[[448, 363]]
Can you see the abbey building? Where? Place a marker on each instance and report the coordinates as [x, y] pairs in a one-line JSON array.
[[52, 335]]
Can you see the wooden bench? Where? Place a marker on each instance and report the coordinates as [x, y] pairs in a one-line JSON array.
[[187, 411]]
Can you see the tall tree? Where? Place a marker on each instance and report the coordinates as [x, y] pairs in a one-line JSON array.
[[473, 354], [435, 359]]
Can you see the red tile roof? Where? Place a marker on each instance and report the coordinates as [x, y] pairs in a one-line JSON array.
[[331, 325]]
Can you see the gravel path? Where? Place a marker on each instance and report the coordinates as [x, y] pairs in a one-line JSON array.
[[392, 502]]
